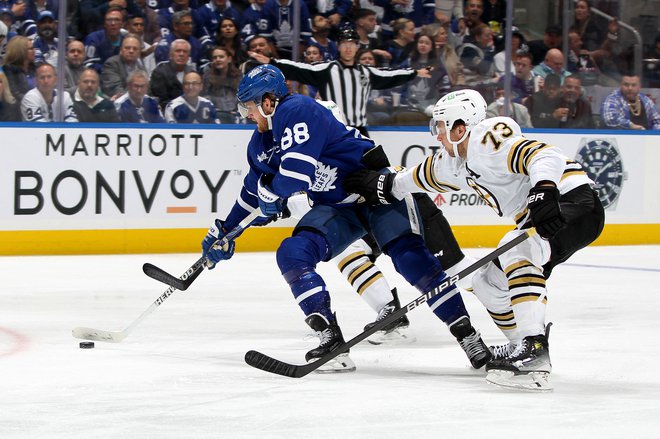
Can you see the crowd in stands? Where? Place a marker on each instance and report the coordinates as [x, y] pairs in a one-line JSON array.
[[180, 61]]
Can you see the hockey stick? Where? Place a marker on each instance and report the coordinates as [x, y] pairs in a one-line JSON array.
[[182, 283], [272, 365], [118, 336]]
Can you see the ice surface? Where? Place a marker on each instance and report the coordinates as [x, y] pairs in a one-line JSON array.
[[181, 374]]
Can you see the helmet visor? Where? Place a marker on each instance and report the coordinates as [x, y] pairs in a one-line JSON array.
[[243, 110], [433, 127]]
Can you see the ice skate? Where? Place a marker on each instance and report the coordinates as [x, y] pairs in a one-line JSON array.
[[470, 340], [527, 368], [330, 338], [394, 333]]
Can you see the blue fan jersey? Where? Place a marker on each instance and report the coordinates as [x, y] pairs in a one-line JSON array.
[[181, 111], [307, 150]]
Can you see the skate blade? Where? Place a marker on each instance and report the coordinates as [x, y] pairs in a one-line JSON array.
[[395, 337], [532, 381], [340, 364]]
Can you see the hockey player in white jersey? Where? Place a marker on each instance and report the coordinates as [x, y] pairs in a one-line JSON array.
[[531, 182]]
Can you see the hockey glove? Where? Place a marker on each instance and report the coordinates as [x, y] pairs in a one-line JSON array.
[[210, 245], [543, 205], [269, 203], [376, 188]]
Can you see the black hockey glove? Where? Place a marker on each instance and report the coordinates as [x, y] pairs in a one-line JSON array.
[[543, 205], [376, 188]]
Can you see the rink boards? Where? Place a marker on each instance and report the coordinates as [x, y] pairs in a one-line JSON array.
[[96, 189]]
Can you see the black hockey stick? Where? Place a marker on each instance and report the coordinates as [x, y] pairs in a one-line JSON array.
[[182, 283], [272, 365]]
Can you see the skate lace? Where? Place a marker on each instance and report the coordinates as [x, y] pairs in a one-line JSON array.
[[386, 311], [325, 336], [503, 350], [471, 345], [520, 349]]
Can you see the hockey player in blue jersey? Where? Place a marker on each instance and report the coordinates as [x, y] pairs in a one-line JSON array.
[[300, 146]]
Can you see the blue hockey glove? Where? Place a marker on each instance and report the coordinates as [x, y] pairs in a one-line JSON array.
[[543, 205], [269, 203], [211, 250]]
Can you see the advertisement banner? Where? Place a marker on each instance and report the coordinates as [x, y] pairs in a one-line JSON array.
[[130, 181]]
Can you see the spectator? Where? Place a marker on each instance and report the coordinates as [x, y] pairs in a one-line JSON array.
[[88, 105], [210, 16], [191, 107], [594, 66], [102, 44], [45, 43], [592, 30], [30, 17], [90, 16], [73, 68], [477, 57], [421, 12], [182, 25], [136, 26], [522, 82], [19, 66], [136, 106], [149, 31], [553, 63], [221, 80], [446, 53], [517, 112], [517, 46], [261, 46], [552, 39], [3, 42], [365, 26], [8, 19], [229, 38], [167, 77], [251, 23], [345, 81], [628, 109], [42, 103], [424, 92], [117, 68], [494, 14], [9, 109], [321, 27], [278, 14], [166, 13], [445, 10], [401, 46], [334, 10], [379, 103], [474, 10], [574, 110], [542, 104]]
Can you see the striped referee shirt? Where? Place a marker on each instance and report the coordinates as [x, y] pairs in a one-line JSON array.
[[347, 86]]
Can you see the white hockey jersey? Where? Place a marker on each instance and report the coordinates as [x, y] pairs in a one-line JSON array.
[[34, 107], [501, 167]]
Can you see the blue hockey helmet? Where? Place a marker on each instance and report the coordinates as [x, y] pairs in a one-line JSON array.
[[259, 81]]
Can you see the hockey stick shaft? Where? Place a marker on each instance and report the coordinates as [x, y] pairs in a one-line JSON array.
[[118, 336], [264, 362], [182, 283]]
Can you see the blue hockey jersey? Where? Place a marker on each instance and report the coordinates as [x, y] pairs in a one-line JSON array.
[[307, 150]]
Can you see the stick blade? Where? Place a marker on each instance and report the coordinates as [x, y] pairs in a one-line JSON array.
[[270, 364], [98, 335]]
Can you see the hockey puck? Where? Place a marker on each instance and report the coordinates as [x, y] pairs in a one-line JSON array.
[[86, 345]]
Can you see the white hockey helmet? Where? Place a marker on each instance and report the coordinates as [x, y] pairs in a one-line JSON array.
[[466, 105]]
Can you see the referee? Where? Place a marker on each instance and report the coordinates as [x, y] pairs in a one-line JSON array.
[[344, 81]]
